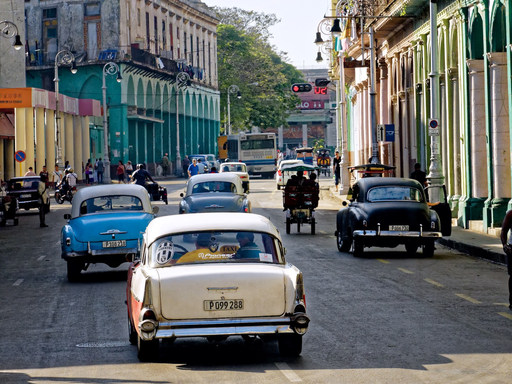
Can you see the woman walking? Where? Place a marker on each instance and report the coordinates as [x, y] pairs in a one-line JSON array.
[[120, 172]]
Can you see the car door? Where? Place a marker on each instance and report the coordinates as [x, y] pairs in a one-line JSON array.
[[438, 201]]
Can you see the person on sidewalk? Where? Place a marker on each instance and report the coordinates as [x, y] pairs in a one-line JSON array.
[[30, 172], [419, 175], [43, 201], [336, 169], [507, 248], [165, 164], [100, 168]]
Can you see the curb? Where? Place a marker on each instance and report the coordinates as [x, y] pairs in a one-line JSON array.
[[476, 251]]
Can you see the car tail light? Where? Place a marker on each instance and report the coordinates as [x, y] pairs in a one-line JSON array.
[[279, 172]]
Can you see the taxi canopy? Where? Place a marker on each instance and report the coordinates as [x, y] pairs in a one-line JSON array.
[[298, 167]]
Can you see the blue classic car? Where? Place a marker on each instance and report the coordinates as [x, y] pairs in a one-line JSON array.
[[214, 192], [105, 226]]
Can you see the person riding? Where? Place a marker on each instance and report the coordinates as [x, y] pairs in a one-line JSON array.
[[141, 175]]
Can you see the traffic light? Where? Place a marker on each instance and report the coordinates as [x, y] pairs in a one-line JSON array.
[[302, 87], [322, 82]]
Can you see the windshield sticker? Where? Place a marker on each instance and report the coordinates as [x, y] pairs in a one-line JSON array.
[[267, 257], [164, 252], [216, 256]]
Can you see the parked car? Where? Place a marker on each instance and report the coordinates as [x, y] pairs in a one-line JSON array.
[[208, 159], [25, 190], [239, 169], [214, 192], [198, 277], [105, 226], [387, 212], [281, 178]]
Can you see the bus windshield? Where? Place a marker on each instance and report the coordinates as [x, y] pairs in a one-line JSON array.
[[256, 144]]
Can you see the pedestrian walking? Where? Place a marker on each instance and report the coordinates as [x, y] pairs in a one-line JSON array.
[[43, 200], [56, 176], [193, 169], [30, 172], [100, 168], [87, 172], [507, 248], [419, 175], [44, 176], [336, 168], [120, 172], [129, 170], [185, 163], [165, 164]]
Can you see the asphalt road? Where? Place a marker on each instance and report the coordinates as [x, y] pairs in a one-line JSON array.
[[384, 318]]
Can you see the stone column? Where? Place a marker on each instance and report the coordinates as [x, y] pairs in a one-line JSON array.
[[20, 143], [456, 135], [29, 139], [40, 141], [500, 137], [477, 138], [86, 144], [9, 160], [50, 140], [78, 159], [366, 126], [68, 140]]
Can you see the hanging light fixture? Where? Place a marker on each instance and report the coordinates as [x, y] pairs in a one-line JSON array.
[[319, 40], [336, 29], [319, 57]]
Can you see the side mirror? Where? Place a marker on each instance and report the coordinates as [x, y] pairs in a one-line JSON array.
[[155, 210], [181, 194], [67, 216]]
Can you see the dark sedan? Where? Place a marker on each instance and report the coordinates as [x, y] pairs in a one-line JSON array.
[[387, 212], [25, 189], [214, 192]]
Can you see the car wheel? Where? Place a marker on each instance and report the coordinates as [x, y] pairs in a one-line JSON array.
[[343, 245], [58, 198], [288, 225], [428, 249], [132, 333], [74, 269], [290, 344], [313, 226], [411, 248], [147, 350], [358, 248]]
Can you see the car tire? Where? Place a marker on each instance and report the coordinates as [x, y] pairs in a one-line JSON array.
[[288, 225], [428, 249], [411, 248], [313, 226], [73, 270], [58, 198], [147, 350], [132, 333], [290, 344], [358, 248], [343, 245]]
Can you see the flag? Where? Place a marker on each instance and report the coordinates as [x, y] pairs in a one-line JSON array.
[[346, 35]]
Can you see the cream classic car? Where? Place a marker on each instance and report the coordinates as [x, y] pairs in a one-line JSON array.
[[214, 275], [239, 169]]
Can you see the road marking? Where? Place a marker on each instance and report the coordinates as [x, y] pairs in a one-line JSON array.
[[434, 283], [383, 261], [504, 314], [406, 271], [17, 282], [290, 375], [40, 258], [502, 304], [468, 298]]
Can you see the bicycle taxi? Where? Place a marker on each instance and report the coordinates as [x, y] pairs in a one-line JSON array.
[[323, 161], [300, 196], [305, 154]]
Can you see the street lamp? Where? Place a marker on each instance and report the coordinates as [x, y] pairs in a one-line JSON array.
[[110, 68], [67, 58], [8, 30], [182, 80], [232, 89]]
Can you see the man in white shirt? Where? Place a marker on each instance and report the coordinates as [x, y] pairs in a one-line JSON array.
[[56, 176]]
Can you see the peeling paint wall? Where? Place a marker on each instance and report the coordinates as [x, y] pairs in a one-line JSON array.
[[12, 62]]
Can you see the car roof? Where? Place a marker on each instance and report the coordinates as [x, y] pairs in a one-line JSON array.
[[19, 178], [218, 221], [206, 177], [370, 182], [110, 190]]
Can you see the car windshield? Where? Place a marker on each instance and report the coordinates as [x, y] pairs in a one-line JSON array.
[[234, 168], [215, 247], [214, 186], [102, 204], [394, 193]]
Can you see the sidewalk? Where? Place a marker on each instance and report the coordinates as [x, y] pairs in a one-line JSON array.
[[474, 243]]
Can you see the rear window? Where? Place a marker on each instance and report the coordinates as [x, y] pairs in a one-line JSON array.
[[395, 193], [19, 185], [234, 168], [215, 247], [214, 186], [110, 203]]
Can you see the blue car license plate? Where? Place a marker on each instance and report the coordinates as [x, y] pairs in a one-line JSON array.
[[114, 243]]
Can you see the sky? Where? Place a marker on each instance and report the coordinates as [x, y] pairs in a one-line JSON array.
[[296, 32]]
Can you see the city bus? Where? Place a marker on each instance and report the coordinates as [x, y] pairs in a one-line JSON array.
[[257, 150]]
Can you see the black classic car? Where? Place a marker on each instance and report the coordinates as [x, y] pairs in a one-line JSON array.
[[390, 211], [25, 190]]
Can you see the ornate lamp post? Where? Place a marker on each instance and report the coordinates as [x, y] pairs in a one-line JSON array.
[[67, 58], [182, 80], [110, 68], [9, 30], [232, 89]]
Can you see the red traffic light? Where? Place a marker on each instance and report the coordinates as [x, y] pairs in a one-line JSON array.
[[302, 87]]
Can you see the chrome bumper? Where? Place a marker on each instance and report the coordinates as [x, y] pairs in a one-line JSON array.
[[410, 234], [224, 327]]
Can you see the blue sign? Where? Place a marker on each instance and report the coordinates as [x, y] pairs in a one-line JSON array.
[[390, 132], [20, 156]]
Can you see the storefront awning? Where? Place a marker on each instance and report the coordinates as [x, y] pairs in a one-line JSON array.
[[6, 126]]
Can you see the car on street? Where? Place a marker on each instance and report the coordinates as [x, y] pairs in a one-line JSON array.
[[105, 226], [282, 178], [207, 159], [239, 169], [214, 275], [214, 192], [387, 212], [25, 190]]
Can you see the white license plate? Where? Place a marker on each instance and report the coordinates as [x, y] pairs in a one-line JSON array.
[[398, 227], [26, 196], [114, 243], [223, 305]]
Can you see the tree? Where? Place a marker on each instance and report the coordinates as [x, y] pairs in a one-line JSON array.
[[248, 60]]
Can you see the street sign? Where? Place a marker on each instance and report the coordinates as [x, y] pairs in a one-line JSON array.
[[20, 156], [380, 132], [433, 127], [386, 132]]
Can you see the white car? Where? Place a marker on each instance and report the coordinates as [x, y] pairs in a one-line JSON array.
[[239, 169], [214, 275], [282, 178]]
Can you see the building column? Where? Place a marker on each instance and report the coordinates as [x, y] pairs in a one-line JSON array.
[[2, 164], [500, 137], [477, 139], [50, 139], [9, 160], [86, 142], [68, 154], [453, 84], [40, 141], [29, 139], [78, 159], [20, 141]]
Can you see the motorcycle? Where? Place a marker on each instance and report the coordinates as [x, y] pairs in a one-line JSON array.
[[60, 196]]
